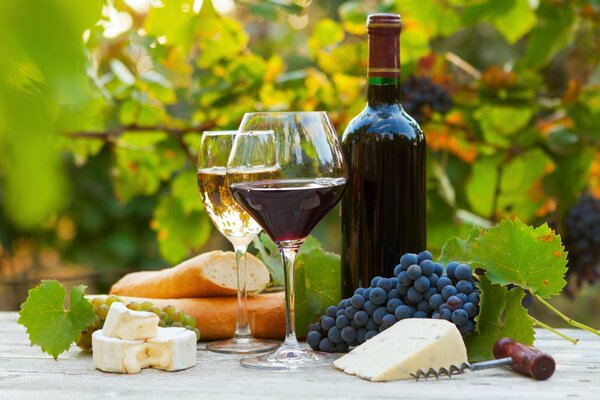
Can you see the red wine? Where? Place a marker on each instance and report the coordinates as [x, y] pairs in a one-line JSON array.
[[384, 206], [288, 209]]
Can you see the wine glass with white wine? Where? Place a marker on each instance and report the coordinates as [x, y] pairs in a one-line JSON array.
[[236, 225]]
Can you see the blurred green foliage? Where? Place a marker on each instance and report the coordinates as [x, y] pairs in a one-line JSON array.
[[521, 139]]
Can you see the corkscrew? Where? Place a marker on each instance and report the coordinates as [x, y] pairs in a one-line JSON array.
[[522, 358]]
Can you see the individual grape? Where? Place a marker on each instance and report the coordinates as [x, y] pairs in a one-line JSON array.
[[464, 286], [454, 303], [341, 304], [385, 284], [188, 320], [169, 310], [378, 296], [442, 282], [370, 334], [394, 281], [335, 335], [474, 298], [162, 323], [315, 327], [421, 284], [402, 312], [177, 316], [433, 278], [436, 315], [420, 314], [359, 291], [379, 314], [404, 280], [350, 311], [144, 306], [348, 334], [102, 311], [156, 310], [471, 309], [374, 281], [408, 259], [360, 335], [327, 323], [424, 255], [340, 312], [313, 339], [468, 327], [135, 306], [427, 267], [446, 314], [463, 297], [341, 347], [424, 306], [451, 269], [397, 270], [414, 296], [393, 294], [463, 272], [361, 318], [358, 301], [439, 269], [331, 311], [449, 291], [443, 306], [371, 325], [367, 293], [460, 317], [414, 271], [326, 345], [97, 302], [402, 290], [177, 324], [347, 303], [115, 299], [342, 321], [393, 304], [370, 307], [354, 324], [388, 320], [430, 292], [436, 301]]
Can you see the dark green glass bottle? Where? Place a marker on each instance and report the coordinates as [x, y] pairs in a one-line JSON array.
[[384, 205]]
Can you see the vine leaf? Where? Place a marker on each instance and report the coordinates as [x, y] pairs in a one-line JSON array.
[[514, 253], [500, 315], [49, 324], [457, 249]]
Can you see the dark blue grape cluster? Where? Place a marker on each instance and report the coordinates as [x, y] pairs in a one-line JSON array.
[[419, 289]]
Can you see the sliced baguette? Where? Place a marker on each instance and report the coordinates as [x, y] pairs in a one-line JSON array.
[[206, 275], [216, 316]]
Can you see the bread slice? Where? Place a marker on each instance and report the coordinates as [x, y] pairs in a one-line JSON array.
[[206, 275], [216, 316]]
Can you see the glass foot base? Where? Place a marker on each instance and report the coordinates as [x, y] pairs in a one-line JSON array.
[[242, 346], [286, 359]]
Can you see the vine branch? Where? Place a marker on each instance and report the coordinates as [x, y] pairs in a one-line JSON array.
[[113, 133]]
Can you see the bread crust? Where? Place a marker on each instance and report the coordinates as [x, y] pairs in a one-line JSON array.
[[192, 278]]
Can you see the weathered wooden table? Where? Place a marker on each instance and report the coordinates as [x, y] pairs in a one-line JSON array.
[[27, 373]]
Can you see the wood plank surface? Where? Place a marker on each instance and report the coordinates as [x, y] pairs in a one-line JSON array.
[[27, 373]]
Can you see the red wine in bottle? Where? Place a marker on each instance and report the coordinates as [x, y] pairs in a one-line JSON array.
[[384, 205]]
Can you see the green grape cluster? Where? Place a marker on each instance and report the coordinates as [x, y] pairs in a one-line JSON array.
[[169, 317]]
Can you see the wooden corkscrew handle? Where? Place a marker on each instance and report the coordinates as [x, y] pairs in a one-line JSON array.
[[526, 359]]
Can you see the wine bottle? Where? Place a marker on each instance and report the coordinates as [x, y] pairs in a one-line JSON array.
[[384, 205]]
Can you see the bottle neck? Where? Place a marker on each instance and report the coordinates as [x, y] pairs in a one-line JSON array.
[[383, 91]]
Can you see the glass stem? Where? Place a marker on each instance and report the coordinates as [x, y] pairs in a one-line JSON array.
[[242, 329], [288, 255]]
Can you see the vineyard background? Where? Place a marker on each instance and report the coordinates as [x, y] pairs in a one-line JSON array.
[[102, 105]]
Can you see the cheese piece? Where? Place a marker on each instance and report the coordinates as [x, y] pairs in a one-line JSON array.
[[405, 347], [126, 324], [116, 355], [172, 349]]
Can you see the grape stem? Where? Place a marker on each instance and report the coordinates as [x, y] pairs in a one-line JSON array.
[[569, 321], [551, 329]]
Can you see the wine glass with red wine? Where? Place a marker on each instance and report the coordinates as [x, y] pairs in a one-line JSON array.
[[310, 181]]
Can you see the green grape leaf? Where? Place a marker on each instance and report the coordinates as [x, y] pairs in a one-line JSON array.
[[456, 249], [317, 283], [49, 324], [500, 123], [326, 33], [179, 233], [514, 253], [515, 22], [481, 186], [437, 17], [184, 186], [175, 20], [268, 253], [500, 315]]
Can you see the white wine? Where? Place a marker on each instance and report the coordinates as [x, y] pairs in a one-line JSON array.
[[229, 218]]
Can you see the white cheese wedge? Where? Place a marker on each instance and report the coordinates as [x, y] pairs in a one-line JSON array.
[[117, 355], [172, 349], [405, 347], [126, 324]]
